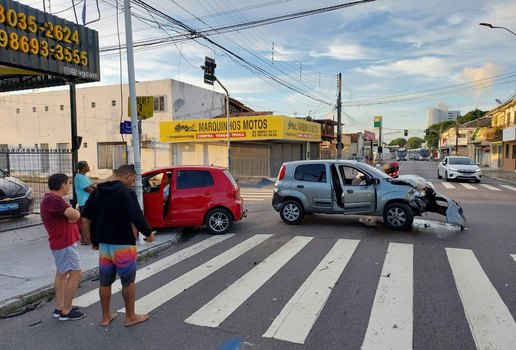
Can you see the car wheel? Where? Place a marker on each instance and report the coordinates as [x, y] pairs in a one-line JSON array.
[[477, 180], [398, 216], [292, 212], [218, 221], [439, 174]]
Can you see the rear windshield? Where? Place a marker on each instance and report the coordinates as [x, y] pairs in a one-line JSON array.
[[230, 177], [462, 161]]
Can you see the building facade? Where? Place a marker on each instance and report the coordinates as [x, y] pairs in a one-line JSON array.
[[441, 114]]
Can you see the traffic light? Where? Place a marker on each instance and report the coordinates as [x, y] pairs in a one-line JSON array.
[[209, 70], [405, 132]]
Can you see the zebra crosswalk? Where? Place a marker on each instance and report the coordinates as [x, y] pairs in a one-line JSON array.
[[391, 316]]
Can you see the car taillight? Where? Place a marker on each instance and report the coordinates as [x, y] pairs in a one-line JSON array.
[[282, 171]]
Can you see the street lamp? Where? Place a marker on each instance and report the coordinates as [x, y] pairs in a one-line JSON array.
[[489, 25]]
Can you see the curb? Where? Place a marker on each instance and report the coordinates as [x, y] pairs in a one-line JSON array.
[[17, 303], [511, 182]]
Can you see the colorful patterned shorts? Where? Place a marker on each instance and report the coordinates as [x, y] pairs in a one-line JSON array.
[[115, 258]]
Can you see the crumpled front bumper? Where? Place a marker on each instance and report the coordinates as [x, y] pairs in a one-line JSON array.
[[436, 202]]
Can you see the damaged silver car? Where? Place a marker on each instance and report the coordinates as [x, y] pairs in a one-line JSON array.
[[350, 187]]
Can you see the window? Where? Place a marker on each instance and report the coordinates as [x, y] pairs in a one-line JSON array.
[[159, 104], [506, 151], [193, 179], [61, 107], [113, 103], [152, 183], [311, 173], [111, 155], [46, 108], [513, 151], [93, 105], [17, 111], [33, 109]]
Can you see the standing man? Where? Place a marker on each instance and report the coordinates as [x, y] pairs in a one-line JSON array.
[[110, 214], [59, 219], [83, 187]]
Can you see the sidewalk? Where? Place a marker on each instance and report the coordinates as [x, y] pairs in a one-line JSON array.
[[28, 269], [497, 174]]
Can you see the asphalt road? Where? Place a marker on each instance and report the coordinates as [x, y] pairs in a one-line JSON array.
[[332, 282]]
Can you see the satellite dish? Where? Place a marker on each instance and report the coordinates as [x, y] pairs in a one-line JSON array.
[[498, 101]]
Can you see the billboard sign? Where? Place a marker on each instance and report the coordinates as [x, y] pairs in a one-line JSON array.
[[263, 127], [41, 43]]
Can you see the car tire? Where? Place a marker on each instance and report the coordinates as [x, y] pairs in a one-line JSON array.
[[292, 212], [439, 175], [398, 216], [477, 180], [218, 221]]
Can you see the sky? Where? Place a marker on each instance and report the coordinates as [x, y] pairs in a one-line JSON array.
[[398, 58]]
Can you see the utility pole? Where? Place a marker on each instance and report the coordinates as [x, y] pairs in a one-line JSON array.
[[339, 117], [132, 99]]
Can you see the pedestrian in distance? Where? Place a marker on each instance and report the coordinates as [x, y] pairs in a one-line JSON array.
[[83, 187], [59, 219], [111, 213]]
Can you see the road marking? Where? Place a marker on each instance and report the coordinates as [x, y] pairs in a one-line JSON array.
[[490, 321], [489, 187], [514, 256], [509, 187], [391, 321], [447, 185], [219, 308], [180, 284], [468, 186], [298, 316], [92, 296], [253, 199]]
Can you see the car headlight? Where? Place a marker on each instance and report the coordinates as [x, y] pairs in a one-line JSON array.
[[478, 170], [28, 194], [453, 169]]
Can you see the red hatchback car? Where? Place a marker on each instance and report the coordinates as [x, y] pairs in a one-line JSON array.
[[182, 196]]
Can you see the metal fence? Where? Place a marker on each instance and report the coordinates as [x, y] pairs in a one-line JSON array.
[[32, 167]]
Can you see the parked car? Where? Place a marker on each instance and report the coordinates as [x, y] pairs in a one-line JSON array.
[[183, 196], [350, 187], [458, 167], [16, 198]]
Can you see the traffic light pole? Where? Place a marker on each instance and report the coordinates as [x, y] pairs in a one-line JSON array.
[[228, 123]]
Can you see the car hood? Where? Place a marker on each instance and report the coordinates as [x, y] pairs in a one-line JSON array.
[[411, 180], [463, 166], [11, 187]]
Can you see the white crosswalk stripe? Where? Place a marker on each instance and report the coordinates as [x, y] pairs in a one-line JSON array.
[[256, 195], [219, 308], [393, 302], [489, 187], [447, 185], [514, 256], [509, 187], [300, 313], [490, 321], [91, 297], [468, 186], [173, 288]]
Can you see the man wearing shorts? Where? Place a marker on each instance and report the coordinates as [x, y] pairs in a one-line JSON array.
[[59, 219], [112, 217]]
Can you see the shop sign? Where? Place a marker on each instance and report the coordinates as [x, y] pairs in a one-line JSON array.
[[268, 127]]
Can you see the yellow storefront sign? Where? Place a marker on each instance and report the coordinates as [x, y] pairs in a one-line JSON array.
[[264, 127]]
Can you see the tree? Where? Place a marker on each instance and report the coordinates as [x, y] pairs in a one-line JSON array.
[[398, 142], [414, 142]]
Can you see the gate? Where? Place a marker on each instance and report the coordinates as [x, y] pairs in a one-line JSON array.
[[33, 167]]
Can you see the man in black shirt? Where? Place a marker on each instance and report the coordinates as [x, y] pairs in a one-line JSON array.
[[112, 212]]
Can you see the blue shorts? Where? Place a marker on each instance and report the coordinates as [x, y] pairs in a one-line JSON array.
[[115, 258], [67, 259]]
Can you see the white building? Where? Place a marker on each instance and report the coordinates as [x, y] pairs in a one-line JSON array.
[[441, 114]]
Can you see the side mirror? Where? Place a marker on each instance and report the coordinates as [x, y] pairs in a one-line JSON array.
[[375, 181]]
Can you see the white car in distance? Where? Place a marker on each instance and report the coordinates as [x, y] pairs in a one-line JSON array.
[[459, 167]]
